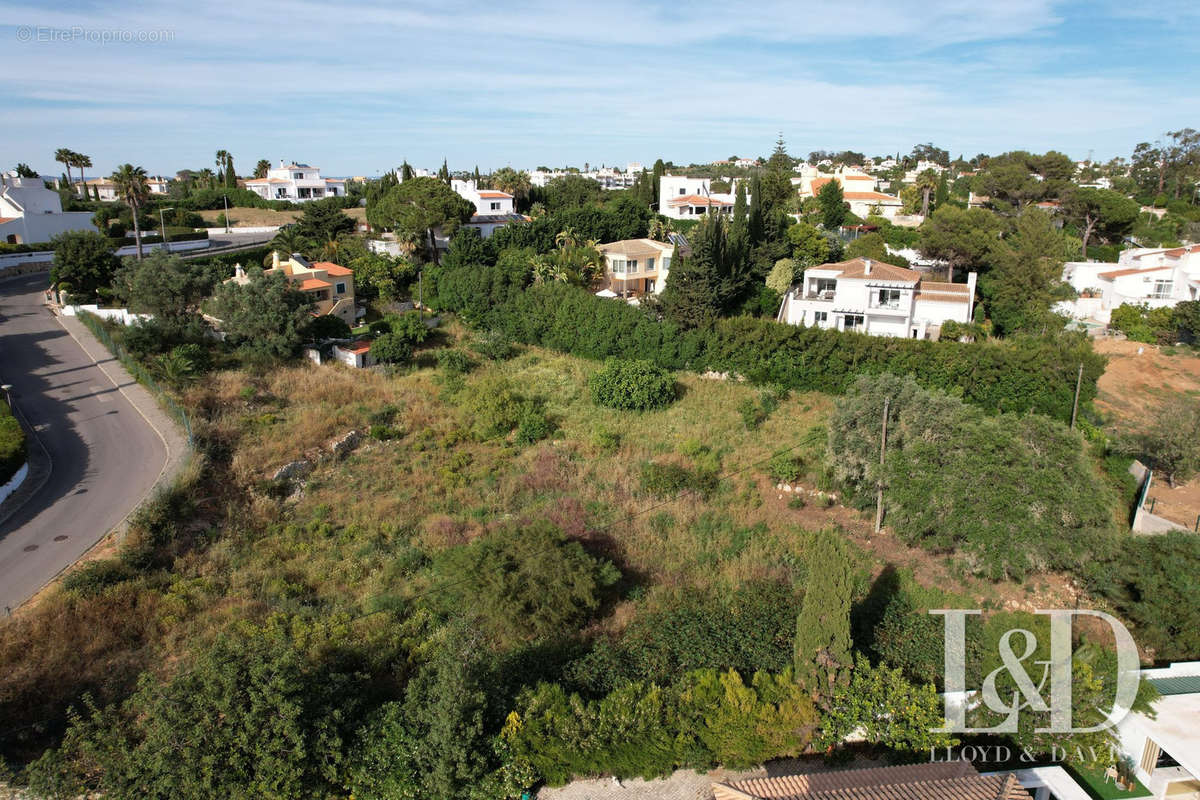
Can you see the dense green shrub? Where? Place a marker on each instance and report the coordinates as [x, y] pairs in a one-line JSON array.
[[94, 577], [522, 581], [1012, 493], [492, 407], [533, 425], [494, 346], [785, 467], [643, 729], [454, 362], [391, 348], [632, 386], [667, 479], [12, 444], [1149, 582], [748, 629]]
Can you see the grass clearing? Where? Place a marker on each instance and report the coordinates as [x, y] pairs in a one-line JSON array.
[[245, 217]]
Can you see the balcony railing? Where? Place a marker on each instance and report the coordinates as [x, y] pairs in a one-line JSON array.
[[826, 294]]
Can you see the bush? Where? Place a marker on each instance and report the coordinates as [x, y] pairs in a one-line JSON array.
[[533, 425], [632, 386], [492, 407], [94, 577], [392, 348], [668, 480], [12, 444], [494, 346], [785, 468], [1015, 493], [454, 362], [410, 326], [605, 439]]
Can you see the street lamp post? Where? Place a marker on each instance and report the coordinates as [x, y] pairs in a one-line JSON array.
[[163, 226], [225, 199]]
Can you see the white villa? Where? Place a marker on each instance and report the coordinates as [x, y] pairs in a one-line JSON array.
[[1165, 747], [296, 183], [636, 266], [878, 299], [106, 190], [29, 212], [681, 197], [493, 208], [858, 189], [1154, 277]]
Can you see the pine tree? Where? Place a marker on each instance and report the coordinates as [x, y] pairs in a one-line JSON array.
[[692, 296], [822, 654]]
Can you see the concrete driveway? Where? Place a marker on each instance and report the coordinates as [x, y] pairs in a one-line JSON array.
[[105, 456]]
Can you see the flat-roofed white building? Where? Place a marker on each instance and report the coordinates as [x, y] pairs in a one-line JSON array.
[[681, 197], [29, 212], [296, 183]]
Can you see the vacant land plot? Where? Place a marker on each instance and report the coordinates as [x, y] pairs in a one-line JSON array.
[[262, 217]]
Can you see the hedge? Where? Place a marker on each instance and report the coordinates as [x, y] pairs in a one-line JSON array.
[[175, 235], [12, 444], [1013, 375]]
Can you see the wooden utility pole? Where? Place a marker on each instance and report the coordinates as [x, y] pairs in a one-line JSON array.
[[1075, 406], [879, 482]]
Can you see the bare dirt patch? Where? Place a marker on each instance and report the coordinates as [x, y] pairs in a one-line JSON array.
[[1139, 379]]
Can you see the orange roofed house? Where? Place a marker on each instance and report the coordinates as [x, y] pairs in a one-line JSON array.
[[329, 286], [858, 190], [953, 780]]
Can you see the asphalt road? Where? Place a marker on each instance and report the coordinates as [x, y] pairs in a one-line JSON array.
[[105, 455]]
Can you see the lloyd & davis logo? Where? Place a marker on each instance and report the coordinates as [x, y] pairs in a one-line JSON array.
[[1051, 693]]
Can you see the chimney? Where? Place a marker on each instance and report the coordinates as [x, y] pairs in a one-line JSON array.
[[867, 265], [274, 259], [238, 272]]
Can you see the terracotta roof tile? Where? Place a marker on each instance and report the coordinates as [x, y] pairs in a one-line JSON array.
[[954, 780], [857, 268], [309, 284], [495, 195], [332, 268], [1120, 273], [697, 200]]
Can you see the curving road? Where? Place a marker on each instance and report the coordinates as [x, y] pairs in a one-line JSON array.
[[105, 455]]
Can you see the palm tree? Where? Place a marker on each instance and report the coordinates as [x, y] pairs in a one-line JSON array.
[[260, 169], [927, 182], [65, 157], [206, 178], [288, 240], [82, 161], [660, 228], [567, 238], [222, 164], [130, 183]]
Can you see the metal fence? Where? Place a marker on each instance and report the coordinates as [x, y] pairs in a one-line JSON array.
[[139, 372]]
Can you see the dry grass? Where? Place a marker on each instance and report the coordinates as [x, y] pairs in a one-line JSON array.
[[241, 216]]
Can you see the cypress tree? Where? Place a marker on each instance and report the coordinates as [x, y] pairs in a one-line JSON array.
[[822, 653], [444, 172]]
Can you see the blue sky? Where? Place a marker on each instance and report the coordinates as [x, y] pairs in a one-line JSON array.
[[357, 87]]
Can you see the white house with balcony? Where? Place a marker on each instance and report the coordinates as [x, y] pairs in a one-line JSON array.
[[858, 190], [878, 299], [633, 267], [493, 208], [296, 183], [1165, 746], [29, 212], [1153, 277], [681, 197]]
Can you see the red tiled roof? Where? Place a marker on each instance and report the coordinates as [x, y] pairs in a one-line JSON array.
[[857, 268], [954, 780], [697, 200], [492, 194], [7, 219], [880, 196], [308, 284], [332, 268], [1120, 273], [359, 347]]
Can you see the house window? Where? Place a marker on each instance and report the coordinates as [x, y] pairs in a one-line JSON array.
[[682, 191], [649, 265], [820, 318], [1162, 290], [889, 298], [852, 322], [297, 175], [339, 288], [666, 263], [698, 209], [495, 206], [825, 287]]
